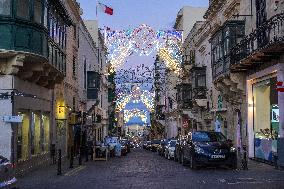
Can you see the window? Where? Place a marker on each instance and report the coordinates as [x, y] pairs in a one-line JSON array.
[[46, 125], [201, 81], [74, 32], [23, 137], [93, 84], [85, 73], [23, 8], [38, 11], [5, 7], [74, 103], [74, 66], [45, 16]]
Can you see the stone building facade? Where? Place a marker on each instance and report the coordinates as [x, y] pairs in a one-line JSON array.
[[33, 63], [244, 44]]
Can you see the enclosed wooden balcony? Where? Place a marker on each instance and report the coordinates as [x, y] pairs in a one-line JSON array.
[[33, 40]]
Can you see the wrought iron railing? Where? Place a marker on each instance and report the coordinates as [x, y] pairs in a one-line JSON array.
[[199, 93], [269, 33]]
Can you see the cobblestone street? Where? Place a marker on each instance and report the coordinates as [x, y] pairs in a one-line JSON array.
[[144, 169]]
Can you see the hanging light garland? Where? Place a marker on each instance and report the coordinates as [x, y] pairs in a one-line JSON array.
[[128, 114], [137, 95], [142, 40]]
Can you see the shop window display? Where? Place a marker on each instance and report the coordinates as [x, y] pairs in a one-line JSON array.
[[266, 118], [23, 138]]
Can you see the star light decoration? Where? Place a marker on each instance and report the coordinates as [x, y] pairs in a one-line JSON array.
[[143, 40], [128, 114]]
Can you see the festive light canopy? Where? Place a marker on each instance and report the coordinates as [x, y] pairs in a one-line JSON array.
[[137, 95], [128, 114], [143, 40]]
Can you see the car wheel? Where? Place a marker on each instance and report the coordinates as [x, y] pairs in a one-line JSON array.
[[192, 163]]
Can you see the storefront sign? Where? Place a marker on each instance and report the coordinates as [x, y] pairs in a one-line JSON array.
[[280, 86], [13, 119], [275, 115]]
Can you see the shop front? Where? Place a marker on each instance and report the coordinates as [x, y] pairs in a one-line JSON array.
[[263, 115]]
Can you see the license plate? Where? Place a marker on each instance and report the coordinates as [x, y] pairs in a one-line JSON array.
[[218, 156]]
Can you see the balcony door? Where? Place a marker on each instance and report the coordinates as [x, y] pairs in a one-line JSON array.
[[261, 17]]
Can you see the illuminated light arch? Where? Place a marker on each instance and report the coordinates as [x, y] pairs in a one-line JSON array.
[[143, 40], [128, 114], [136, 96]]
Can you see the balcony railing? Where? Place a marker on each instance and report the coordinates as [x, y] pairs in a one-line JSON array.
[[268, 38], [199, 93]]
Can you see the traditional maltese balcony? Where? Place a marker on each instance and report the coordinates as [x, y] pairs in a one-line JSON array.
[[264, 44], [33, 40], [184, 96], [222, 41]]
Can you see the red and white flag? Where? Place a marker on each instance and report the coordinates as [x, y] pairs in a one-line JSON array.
[[105, 9], [280, 86]]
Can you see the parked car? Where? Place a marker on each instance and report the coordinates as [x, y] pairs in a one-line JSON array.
[[7, 173], [127, 144], [204, 148], [154, 145], [148, 145], [111, 142], [178, 150], [132, 145], [170, 149], [124, 148], [162, 146], [144, 144]]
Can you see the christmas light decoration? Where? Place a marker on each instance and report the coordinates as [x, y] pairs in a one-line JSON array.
[[128, 114], [170, 62], [142, 40], [136, 96]]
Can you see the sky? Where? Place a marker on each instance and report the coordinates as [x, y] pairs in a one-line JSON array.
[[129, 14]]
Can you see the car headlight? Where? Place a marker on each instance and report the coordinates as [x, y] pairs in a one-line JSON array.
[[232, 149], [199, 150]]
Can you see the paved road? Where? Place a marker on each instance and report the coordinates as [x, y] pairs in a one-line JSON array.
[[144, 169]]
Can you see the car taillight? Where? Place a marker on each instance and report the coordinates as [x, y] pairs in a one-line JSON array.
[[13, 165]]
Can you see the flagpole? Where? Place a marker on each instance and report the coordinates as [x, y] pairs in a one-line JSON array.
[[97, 3]]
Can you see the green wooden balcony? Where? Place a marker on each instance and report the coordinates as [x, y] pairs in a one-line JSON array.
[[33, 40]]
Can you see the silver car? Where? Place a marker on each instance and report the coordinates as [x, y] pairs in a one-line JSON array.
[[7, 173]]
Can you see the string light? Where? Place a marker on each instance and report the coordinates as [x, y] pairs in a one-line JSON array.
[[128, 114], [136, 96], [142, 40]]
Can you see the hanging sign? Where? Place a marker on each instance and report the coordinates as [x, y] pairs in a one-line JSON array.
[[13, 119], [280, 87]]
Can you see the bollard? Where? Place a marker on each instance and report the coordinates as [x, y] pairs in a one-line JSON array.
[[87, 153], [52, 154], [59, 163], [275, 159], [71, 157], [244, 159], [80, 156]]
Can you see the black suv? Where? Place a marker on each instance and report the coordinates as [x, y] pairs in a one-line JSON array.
[[208, 148]]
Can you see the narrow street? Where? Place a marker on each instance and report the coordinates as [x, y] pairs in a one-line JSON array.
[[144, 169]]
